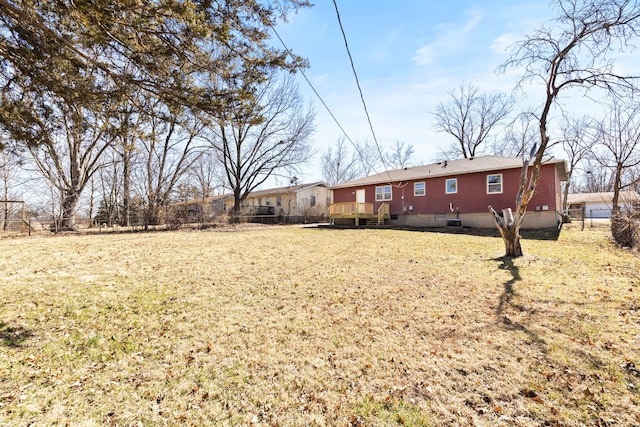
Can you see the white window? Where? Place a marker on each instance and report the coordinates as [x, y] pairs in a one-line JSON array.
[[312, 200], [452, 186], [419, 189], [494, 183], [383, 193]]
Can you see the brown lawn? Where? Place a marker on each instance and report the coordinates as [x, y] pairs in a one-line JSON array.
[[306, 327]]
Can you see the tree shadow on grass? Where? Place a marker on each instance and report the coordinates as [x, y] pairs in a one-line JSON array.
[[508, 293], [13, 336], [506, 299]]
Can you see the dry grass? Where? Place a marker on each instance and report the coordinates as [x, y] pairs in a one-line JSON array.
[[303, 327]]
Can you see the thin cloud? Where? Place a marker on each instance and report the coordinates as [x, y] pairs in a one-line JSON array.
[[501, 43], [451, 37]]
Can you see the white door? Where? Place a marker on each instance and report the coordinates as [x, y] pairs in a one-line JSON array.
[[360, 196]]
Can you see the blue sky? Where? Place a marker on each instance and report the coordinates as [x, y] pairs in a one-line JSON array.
[[408, 55]]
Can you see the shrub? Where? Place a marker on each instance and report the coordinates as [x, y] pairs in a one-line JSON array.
[[625, 228]]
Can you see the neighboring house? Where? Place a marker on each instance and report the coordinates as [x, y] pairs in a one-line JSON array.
[[454, 192], [304, 200], [200, 209], [598, 205]]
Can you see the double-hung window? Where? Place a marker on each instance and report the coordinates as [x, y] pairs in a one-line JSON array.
[[419, 189], [494, 183], [383, 193], [451, 186]]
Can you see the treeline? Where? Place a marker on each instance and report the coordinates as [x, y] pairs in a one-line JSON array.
[[131, 98]]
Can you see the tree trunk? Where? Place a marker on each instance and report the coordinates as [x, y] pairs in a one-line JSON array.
[[5, 219], [126, 188], [237, 207], [565, 196], [509, 228], [511, 238], [152, 215], [68, 214]]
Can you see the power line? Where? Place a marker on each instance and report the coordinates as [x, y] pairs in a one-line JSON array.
[[364, 104], [355, 146]]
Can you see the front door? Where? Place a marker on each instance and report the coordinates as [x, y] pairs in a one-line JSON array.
[[360, 196]]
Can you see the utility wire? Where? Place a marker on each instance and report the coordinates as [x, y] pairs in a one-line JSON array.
[[355, 146], [315, 91], [364, 104]]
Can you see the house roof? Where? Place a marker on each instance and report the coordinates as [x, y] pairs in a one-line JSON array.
[[446, 168], [200, 200], [285, 190], [625, 196]]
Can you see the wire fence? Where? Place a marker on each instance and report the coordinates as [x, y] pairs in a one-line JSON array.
[[39, 225]]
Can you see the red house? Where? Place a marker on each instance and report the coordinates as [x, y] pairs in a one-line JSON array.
[[454, 193]]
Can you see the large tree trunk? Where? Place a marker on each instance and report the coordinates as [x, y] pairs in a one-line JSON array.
[[509, 228], [152, 215], [68, 214], [236, 211]]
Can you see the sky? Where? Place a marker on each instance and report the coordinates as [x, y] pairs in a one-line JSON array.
[[409, 55]]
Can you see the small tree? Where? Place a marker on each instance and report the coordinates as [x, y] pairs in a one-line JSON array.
[[618, 145], [575, 136], [575, 55]]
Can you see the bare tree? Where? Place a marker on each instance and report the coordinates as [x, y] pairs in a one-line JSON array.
[[266, 132], [8, 176], [400, 155], [618, 148], [597, 179], [206, 173], [339, 165], [68, 142], [575, 143], [370, 157], [470, 117], [574, 55], [166, 153], [519, 137]]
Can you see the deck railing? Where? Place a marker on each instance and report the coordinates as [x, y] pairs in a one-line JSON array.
[[383, 212], [350, 209]]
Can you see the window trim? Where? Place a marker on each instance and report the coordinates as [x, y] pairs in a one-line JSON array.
[[446, 186], [383, 199], [495, 183], [424, 189]]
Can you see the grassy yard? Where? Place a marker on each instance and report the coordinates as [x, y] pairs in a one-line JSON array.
[[309, 327]]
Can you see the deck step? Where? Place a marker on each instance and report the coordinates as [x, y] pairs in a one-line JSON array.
[[373, 221]]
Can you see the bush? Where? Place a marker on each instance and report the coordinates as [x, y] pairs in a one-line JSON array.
[[625, 228]]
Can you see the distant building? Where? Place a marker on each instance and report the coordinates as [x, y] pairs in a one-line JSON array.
[[598, 205], [301, 200]]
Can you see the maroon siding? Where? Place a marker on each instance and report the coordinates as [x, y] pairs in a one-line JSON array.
[[471, 197]]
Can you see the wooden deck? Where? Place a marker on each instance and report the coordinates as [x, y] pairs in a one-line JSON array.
[[359, 212]]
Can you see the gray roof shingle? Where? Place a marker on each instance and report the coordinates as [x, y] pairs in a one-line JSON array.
[[444, 168]]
